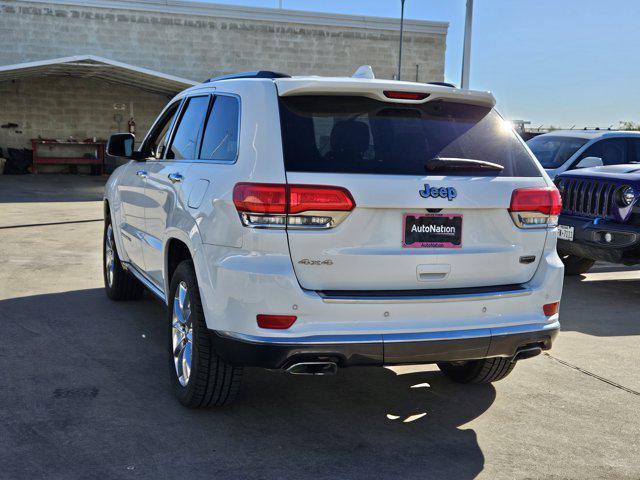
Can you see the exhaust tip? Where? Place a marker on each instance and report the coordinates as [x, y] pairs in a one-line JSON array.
[[527, 352], [313, 368]]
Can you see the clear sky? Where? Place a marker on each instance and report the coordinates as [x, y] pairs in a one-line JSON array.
[[560, 62]]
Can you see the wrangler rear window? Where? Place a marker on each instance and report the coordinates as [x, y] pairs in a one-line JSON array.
[[344, 134]]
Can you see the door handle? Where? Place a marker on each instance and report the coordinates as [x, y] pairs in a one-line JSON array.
[[141, 173], [175, 177]]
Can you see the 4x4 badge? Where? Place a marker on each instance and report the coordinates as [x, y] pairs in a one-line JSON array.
[[438, 192]]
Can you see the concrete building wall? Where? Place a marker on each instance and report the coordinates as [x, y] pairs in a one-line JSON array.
[[193, 40], [59, 107], [201, 44]]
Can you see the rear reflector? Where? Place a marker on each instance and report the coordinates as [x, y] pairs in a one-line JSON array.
[[405, 95], [535, 207], [279, 322], [551, 308]]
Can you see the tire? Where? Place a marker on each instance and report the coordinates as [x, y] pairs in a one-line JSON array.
[[118, 283], [488, 370], [574, 265], [200, 378]]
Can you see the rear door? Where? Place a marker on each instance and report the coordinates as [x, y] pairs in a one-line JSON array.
[[166, 177], [411, 228]]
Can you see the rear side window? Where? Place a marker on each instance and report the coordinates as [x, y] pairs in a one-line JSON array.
[[185, 140], [220, 140], [362, 135]]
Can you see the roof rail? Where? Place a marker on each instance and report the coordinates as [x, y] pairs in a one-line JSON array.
[[442, 84], [256, 74]]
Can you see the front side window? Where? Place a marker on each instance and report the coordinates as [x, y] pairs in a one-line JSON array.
[[185, 140], [159, 138], [612, 151], [552, 151], [220, 141], [363, 135]]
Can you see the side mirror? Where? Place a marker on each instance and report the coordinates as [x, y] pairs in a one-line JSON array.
[[121, 145], [588, 162]]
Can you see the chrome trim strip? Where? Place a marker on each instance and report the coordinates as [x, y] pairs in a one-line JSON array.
[[152, 241], [466, 334], [310, 340], [429, 298], [394, 337], [530, 327], [145, 281]]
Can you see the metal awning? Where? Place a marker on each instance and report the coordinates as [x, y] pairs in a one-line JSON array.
[[92, 66]]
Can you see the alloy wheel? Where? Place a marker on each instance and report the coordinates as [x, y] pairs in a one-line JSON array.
[[182, 333], [109, 255]]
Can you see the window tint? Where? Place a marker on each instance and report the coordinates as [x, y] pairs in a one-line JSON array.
[[554, 151], [160, 137], [185, 140], [220, 140], [362, 135], [612, 151], [635, 150]]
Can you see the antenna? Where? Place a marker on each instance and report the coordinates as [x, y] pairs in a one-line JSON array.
[[364, 71]]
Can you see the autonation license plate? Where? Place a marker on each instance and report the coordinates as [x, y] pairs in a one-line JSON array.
[[432, 230], [565, 232]]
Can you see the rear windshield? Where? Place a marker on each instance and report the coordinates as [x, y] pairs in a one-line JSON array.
[[554, 151], [362, 135]]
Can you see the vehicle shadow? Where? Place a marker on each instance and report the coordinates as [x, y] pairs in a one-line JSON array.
[[51, 188], [600, 305], [86, 394]]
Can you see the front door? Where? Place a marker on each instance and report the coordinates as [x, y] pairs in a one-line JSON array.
[[134, 191], [132, 198]]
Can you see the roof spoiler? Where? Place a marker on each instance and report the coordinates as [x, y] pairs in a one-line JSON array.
[[375, 89]]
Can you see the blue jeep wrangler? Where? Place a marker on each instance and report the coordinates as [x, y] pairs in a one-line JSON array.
[[600, 217]]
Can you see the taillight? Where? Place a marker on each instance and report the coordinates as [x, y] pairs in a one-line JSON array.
[[260, 198], [266, 205], [535, 207], [278, 322], [405, 95]]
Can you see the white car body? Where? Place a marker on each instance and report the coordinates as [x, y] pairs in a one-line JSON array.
[[352, 284], [590, 146]]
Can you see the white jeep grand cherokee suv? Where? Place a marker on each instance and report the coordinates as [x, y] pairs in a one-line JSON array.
[[306, 223]]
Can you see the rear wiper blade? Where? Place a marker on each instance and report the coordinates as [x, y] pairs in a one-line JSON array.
[[450, 163]]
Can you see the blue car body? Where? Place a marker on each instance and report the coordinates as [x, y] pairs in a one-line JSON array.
[[603, 225]]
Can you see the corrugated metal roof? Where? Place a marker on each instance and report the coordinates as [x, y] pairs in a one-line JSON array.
[[92, 66]]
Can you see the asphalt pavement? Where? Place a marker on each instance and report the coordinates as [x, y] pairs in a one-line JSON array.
[[84, 385]]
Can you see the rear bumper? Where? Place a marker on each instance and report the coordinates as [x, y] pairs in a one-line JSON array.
[[386, 349], [588, 240]]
